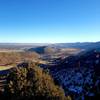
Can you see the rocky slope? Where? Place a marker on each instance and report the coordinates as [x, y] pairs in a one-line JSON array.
[[79, 75]]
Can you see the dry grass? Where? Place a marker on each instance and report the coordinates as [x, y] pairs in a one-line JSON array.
[[9, 58], [5, 67]]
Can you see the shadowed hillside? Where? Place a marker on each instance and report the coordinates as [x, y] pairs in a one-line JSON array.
[[42, 50], [79, 75]]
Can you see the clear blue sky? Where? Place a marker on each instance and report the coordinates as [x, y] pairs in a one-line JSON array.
[[49, 21]]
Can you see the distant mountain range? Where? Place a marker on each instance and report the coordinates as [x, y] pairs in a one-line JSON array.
[[83, 45], [20, 45]]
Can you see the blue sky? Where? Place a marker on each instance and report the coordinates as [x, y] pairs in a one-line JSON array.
[[49, 21]]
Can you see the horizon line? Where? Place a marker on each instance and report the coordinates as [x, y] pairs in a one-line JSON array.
[[46, 42]]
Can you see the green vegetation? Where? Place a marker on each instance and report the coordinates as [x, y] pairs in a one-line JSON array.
[[32, 82]]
